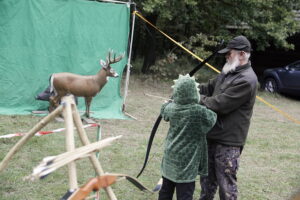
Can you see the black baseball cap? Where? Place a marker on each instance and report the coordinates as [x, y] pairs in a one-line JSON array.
[[238, 43]]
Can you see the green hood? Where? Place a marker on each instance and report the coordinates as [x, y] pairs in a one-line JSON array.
[[185, 90]]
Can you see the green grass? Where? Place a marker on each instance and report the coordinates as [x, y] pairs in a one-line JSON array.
[[270, 163]]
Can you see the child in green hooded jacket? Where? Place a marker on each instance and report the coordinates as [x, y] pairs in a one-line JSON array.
[[185, 153]]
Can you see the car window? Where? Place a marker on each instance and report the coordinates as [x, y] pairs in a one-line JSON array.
[[295, 66]]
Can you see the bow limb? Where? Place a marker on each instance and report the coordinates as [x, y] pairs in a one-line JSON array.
[[95, 184], [158, 120], [206, 60], [139, 185]]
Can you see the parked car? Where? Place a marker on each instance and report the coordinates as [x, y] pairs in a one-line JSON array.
[[284, 80]]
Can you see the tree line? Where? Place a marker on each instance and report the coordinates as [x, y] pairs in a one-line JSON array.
[[200, 25]]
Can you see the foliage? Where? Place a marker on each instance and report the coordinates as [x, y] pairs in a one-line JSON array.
[[166, 68], [262, 21], [200, 24], [160, 6], [170, 66]]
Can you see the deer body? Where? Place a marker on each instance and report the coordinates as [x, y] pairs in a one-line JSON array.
[[78, 85], [82, 86]]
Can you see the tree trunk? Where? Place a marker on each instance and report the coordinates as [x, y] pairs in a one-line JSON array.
[[150, 44]]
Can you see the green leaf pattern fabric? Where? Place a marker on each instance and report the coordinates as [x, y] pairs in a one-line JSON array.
[[185, 153]]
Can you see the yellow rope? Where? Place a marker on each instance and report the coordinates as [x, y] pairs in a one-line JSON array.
[[278, 110], [216, 70], [177, 43]]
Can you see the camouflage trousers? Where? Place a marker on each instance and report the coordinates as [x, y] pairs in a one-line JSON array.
[[223, 163]]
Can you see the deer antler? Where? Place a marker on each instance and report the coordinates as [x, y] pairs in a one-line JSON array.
[[114, 60]]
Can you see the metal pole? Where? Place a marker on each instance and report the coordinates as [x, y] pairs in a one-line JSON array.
[[129, 59]]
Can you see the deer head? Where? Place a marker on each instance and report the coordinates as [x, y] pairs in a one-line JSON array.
[[106, 64]]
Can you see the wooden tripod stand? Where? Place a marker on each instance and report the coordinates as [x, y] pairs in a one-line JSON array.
[[71, 115]]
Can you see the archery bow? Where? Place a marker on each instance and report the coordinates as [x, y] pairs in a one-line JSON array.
[[157, 122], [95, 184]]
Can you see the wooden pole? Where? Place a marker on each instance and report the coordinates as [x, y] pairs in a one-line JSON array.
[[99, 136], [28, 135], [70, 143], [85, 141]]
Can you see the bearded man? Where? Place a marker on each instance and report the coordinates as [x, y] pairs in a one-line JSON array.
[[231, 95]]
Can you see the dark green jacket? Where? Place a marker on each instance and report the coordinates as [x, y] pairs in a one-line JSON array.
[[232, 97], [185, 153]]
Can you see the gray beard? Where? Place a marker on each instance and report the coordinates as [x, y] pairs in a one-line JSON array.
[[230, 67]]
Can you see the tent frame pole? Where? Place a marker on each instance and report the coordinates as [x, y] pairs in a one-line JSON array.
[[129, 58]]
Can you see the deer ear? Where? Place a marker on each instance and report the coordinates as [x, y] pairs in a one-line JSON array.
[[103, 63]]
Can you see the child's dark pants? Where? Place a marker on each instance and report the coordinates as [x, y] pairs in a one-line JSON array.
[[184, 191]]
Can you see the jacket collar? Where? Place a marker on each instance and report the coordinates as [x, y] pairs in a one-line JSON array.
[[242, 68]]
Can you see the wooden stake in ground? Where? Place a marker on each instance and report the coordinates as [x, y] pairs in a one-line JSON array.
[[67, 101], [27, 136], [70, 141], [85, 141]]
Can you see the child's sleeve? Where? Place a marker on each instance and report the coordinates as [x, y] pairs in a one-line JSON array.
[[208, 119], [212, 117], [163, 111]]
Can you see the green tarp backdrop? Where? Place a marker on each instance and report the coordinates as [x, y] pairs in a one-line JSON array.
[[41, 37]]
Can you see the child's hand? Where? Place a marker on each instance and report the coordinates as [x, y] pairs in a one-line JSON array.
[[169, 101]]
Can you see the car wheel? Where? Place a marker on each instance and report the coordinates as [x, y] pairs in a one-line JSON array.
[[271, 85]]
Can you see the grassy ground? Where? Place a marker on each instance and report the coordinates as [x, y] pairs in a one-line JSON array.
[[270, 163]]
